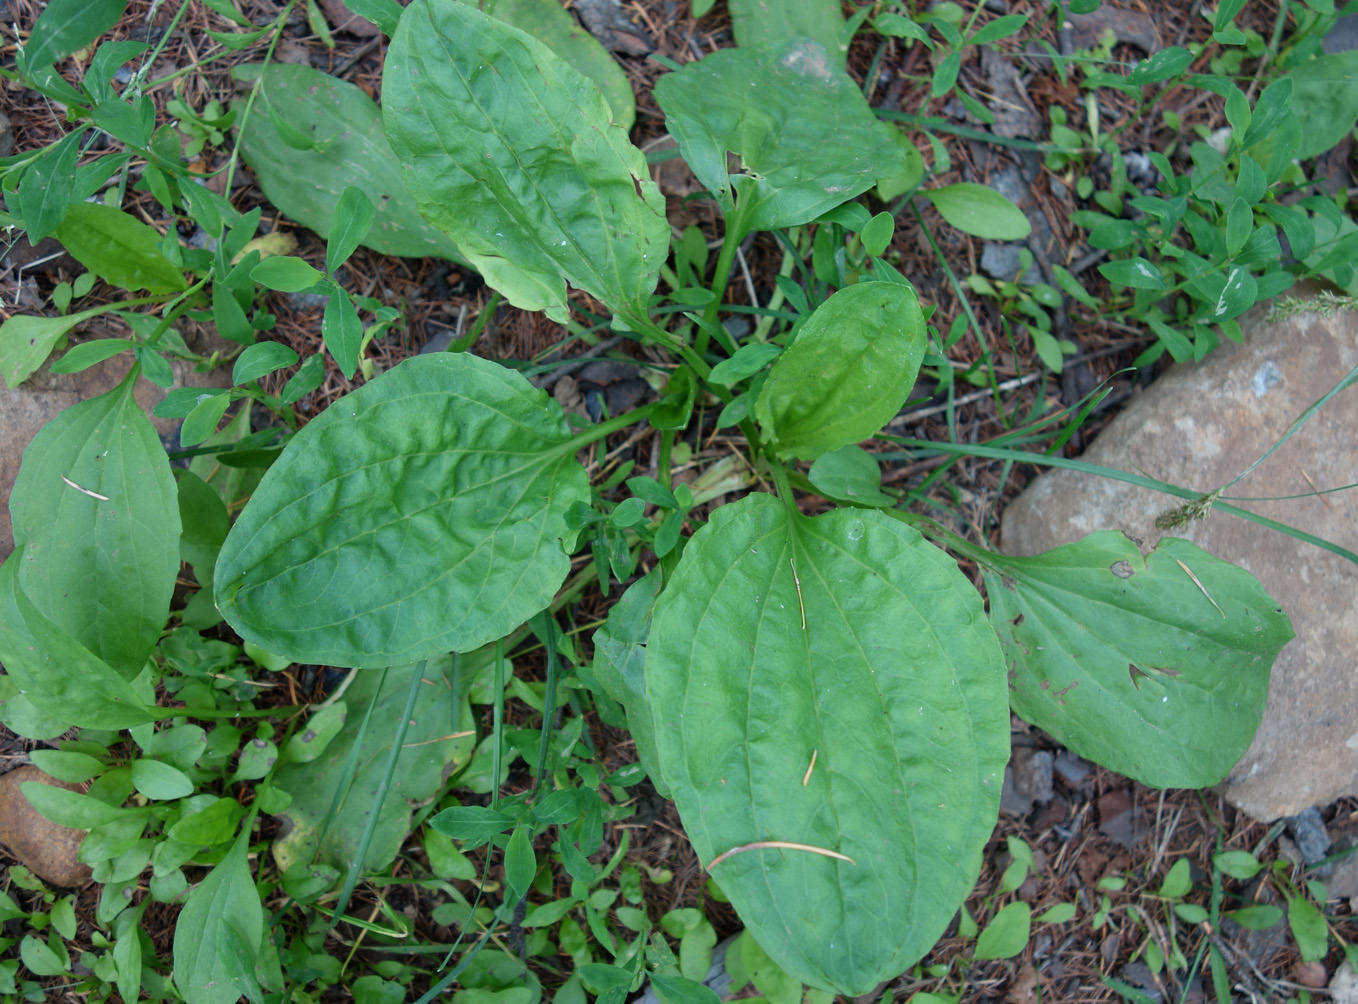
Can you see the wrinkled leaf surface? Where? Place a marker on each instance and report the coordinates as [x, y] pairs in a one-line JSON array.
[[424, 514], [57, 675], [118, 248], [513, 153], [1129, 662], [101, 568], [428, 756], [762, 23], [806, 138], [895, 686], [553, 26], [347, 147], [227, 898], [848, 372]]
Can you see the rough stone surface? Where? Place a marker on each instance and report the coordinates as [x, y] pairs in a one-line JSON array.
[[25, 409], [1199, 427], [41, 846]]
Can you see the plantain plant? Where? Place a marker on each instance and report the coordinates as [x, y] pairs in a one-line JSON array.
[[825, 698]]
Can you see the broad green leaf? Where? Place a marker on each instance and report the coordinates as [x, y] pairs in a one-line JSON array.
[[310, 743], [1007, 933], [342, 330], [849, 639], [346, 147], [118, 248], [1324, 101], [22, 717], [160, 781], [1237, 295], [979, 211], [72, 809], [57, 674], [201, 422], [1126, 659], [67, 765], [757, 24], [748, 360], [1256, 918], [210, 825], [849, 474], [46, 187], [474, 823], [890, 189], [26, 342], [848, 372], [67, 25], [353, 218], [425, 515], [520, 865], [87, 354], [806, 138], [1001, 27], [552, 25], [438, 741], [1164, 64], [514, 154], [261, 359], [95, 510], [386, 14], [286, 274], [878, 233], [1058, 914], [1178, 881], [40, 959], [227, 897], [1308, 928], [945, 74], [1237, 864], [1274, 105], [620, 666], [1135, 272], [681, 990]]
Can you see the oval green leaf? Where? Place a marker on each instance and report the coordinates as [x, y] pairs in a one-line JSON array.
[[806, 138], [438, 742], [553, 26], [119, 249], [1155, 667], [160, 781], [59, 676], [346, 146], [979, 211], [227, 897], [423, 515], [26, 342], [1007, 934], [848, 373], [847, 639], [261, 359], [514, 154], [96, 512], [1135, 272], [759, 24]]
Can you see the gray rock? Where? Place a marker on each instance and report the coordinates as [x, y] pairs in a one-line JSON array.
[[1001, 261], [1344, 985], [1308, 830], [1200, 426], [1343, 37]]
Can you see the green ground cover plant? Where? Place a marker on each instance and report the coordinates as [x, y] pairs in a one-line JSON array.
[[825, 698]]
